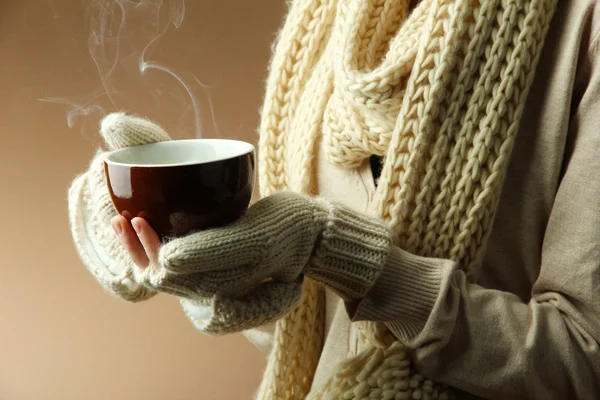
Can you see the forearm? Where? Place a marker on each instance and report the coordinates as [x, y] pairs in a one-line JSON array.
[[486, 342], [539, 349]]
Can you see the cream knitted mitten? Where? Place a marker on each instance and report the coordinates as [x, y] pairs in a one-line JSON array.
[[91, 209], [239, 276]]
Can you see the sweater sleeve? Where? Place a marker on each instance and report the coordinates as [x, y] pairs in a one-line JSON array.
[[493, 343]]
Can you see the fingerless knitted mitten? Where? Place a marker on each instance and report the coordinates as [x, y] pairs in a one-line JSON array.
[[281, 238]]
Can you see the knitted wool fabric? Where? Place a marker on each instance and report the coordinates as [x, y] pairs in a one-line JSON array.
[[439, 92]]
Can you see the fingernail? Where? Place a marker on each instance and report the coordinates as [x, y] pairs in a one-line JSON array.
[[118, 229], [137, 227]]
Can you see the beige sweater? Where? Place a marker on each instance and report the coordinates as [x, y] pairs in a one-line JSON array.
[[530, 327]]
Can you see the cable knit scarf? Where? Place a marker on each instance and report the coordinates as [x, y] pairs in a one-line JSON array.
[[438, 91]]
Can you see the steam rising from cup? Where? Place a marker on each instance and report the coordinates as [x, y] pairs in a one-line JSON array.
[[122, 31]]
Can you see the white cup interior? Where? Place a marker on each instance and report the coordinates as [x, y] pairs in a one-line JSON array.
[[179, 152]]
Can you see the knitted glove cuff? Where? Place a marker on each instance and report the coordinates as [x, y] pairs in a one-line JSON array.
[[350, 253]]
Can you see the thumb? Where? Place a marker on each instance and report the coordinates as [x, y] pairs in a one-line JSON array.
[[120, 130]]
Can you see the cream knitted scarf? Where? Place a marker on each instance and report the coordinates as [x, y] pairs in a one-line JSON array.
[[439, 92]]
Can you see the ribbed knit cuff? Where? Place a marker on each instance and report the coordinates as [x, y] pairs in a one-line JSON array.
[[404, 295], [350, 253]]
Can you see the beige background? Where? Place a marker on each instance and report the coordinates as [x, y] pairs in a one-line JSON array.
[[61, 336]]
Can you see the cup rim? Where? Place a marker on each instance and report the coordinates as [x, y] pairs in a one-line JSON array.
[[249, 148]]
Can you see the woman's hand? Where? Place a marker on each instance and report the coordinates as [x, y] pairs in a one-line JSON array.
[[250, 272], [141, 242], [91, 210], [210, 312]]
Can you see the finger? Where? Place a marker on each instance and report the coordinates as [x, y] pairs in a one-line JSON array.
[[129, 240], [120, 130], [147, 237]]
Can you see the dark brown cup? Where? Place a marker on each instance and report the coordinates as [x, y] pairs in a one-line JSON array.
[[180, 186]]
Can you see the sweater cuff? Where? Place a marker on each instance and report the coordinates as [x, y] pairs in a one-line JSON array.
[[404, 295]]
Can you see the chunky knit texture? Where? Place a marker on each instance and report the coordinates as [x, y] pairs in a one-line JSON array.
[[91, 209], [439, 92]]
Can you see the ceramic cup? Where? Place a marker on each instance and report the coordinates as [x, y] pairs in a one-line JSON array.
[[180, 186]]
